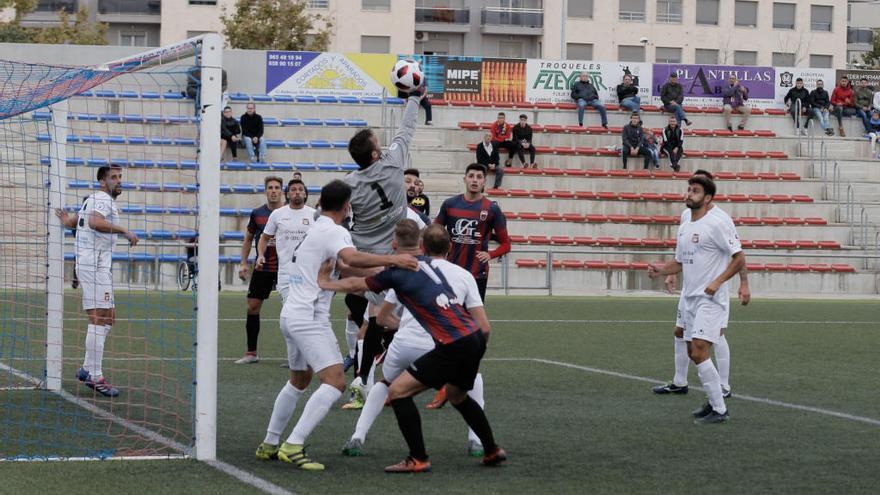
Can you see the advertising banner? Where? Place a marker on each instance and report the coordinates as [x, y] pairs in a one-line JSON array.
[[703, 84], [786, 76], [336, 74], [474, 78], [550, 80], [873, 77]]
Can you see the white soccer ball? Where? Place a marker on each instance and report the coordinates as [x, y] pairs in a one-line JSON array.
[[407, 75]]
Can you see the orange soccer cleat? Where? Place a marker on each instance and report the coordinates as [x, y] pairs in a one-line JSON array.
[[439, 399]]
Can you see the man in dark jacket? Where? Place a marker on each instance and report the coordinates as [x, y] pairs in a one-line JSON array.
[[487, 156], [252, 134], [820, 106], [797, 101], [634, 140], [628, 95], [864, 96], [585, 94], [230, 134], [672, 96], [673, 143], [522, 138]]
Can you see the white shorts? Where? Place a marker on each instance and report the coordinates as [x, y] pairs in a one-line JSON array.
[[400, 355], [311, 344], [679, 316], [704, 319], [97, 287], [283, 292]]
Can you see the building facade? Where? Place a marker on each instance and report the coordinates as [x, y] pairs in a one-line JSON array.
[[863, 26]]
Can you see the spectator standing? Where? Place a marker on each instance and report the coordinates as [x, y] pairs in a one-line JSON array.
[[864, 96], [672, 96], [797, 101], [502, 136], [735, 96], [414, 188], [628, 95], [252, 134], [421, 201], [843, 103], [487, 156], [876, 103], [522, 137], [424, 102], [230, 134], [585, 94], [634, 140], [874, 131], [820, 106], [673, 143]]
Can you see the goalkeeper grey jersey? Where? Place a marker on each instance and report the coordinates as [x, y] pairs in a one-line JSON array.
[[378, 200]]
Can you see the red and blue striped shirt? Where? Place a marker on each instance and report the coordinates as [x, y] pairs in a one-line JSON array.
[[470, 225]]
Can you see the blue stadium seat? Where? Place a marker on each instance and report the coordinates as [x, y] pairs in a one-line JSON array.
[[172, 187], [121, 162], [313, 122], [75, 161], [228, 212], [69, 257], [185, 234], [391, 100], [140, 233], [340, 144], [334, 122], [115, 140], [320, 144], [281, 166], [92, 139], [179, 210], [87, 94], [172, 95], [161, 234], [271, 121], [184, 141], [259, 188], [232, 235], [86, 116], [305, 99], [132, 209], [171, 258], [105, 93], [297, 144], [284, 98], [328, 167], [150, 186], [327, 99], [349, 99], [314, 189], [371, 100], [262, 166], [356, 123], [261, 98], [39, 115], [189, 164], [239, 97], [245, 212], [128, 186], [289, 122], [234, 166], [154, 119], [275, 143], [133, 117], [43, 138], [191, 188], [178, 119], [45, 160], [233, 259], [142, 163], [69, 232], [137, 140], [155, 210], [161, 140], [96, 162], [305, 166], [225, 189], [110, 117], [150, 95], [166, 164], [71, 138], [128, 94]]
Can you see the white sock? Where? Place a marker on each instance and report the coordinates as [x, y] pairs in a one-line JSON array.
[[285, 404], [96, 335], [89, 360], [371, 378], [372, 407], [722, 357], [351, 337], [681, 363], [476, 393], [712, 385], [360, 352], [316, 408]]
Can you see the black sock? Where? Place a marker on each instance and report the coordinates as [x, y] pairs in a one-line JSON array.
[[475, 418], [372, 348], [253, 330], [410, 424]]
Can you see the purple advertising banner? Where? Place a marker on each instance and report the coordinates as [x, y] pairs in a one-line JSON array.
[[703, 84]]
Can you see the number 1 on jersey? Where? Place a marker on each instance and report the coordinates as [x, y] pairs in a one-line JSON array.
[[384, 204]]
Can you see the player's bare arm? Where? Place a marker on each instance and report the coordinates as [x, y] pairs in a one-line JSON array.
[[245, 252], [745, 295], [261, 250], [387, 318], [67, 220], [657, 269], [358, 259], [737, 262], [98, 223]]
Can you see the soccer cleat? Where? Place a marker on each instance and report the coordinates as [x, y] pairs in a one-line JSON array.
[[347, 363], [248, 359], [439, 400], [495, 458], [267, 452], [358, 395], [354, 448], [688, 122], [670, 388], [100, 385], [713, 418], [475, 449], [725, 392], [410, 465], [296, 454], [703, 411]]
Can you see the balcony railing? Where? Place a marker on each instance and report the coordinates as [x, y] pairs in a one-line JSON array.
[[56, 5], [150, 7], [493, 16], [667, 17], [443, 15], [820, 26], [631, 16]]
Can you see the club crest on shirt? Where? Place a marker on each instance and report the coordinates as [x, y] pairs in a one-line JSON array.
[[695, 238], [107, 296], [484, 214], [305, 221]]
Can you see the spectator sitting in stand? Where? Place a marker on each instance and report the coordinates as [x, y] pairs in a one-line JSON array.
[[487, 156], [864, 96], [424, 102], [652, 146], [874, 131], [585, 94], [797, 102], [843, 103], [628, 95], [634, 141], [252, 134], [820, 106], [673, 143], [672, 96], [735, 96], [522, 138], [194, 86], [502, 135], [230, 134]]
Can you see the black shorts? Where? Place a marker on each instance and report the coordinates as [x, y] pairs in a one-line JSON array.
[[262, 284], [481, 287], [457, 363], [357, 306]]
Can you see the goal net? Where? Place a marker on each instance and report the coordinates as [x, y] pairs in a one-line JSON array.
[[100, 349]]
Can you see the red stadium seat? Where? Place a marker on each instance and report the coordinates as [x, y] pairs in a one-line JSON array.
[[563, 194], [544, 150], [779, 155], [784, 244], [771, 221], [523, 104], [562, 150], [595, 218], [584, 241], [820, 267], [556, 263], [768, 176], [527, 263], [438, 102], [629, 196], [457, 103], [575, 172], [641, 219], [596, 265], [815, 221], [594, 129], [572, 264], [801, 198], [650, 108], [793, 221], [575, 129], [703, 132], [630, 242], [470, 126], [673, 196], [749, 221], [665, 219], [607, 195], [762, 244], [607, 241], [775, 267], [553, 172], [755, 267], [566, 106], [518, 193], [585, 195], [775, 111], [764, 133], [798, 267], [518, 239], [662, 174], [807, 244], [670, 243], [618, 173], [472, 147], [713, 154], [573, 217], [725, 176], [651, 196], [829, 245], [780, 198], [538, 239], [639, 265], [527, 215], [584, 150], [747, 244], [551, 217], [743, 133], [722, 132], [789, 176], [480, 104], [747, 176], [554, 128], [545, 106], [561, 240], [527, 171], [596, 172], [618, 265], [541, 193], [842, 268], [759, 198], [735, 154], [720, 197], [711, 110], [618, 218], [653, 242]]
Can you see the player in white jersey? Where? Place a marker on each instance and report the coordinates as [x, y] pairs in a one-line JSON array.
[[305, 320], [709, 253], [679, 383], [97, 224], [287, 226]]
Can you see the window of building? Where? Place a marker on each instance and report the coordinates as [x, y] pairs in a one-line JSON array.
[[859, 35], [745, 13], [376, 4], [579, 51], [632, 10], [582, 8], [510, 49], [783, 59], [821, 17], [56, 5], [783, 15], [707, 12], [821, 61], [133, 38], [193, 34], [319, 4], [744, 57], [375, 44], [631, 53], [203, 2], [669, 11], [667, 55], [706, 56]]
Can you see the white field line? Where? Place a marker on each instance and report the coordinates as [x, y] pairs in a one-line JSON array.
[[670, 321]]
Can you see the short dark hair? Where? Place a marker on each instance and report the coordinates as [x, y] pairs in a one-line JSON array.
[[273, 178], [360, 147], [407, 233], [227, 107], [800, 79], [820, 81], [864, 79], [297, 181], [476, 166], [523, 116], [707, 183], [501, 114], [700, 171], [334, 195], [673, 73], [435, 239], [105, 169], [634, 114], [411, 171]]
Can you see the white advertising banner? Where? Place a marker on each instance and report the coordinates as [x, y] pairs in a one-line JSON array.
[[786, 76], [549, 81]]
